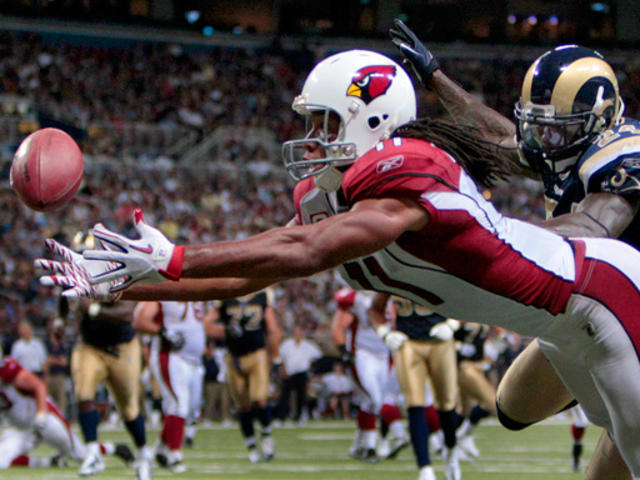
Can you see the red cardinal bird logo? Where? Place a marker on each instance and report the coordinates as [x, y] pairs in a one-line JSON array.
[[369, 83]]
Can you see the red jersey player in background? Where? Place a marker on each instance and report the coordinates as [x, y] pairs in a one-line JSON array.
[[35, 419], [372, 374]]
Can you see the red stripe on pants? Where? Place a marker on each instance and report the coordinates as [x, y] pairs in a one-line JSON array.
[[613, 289], [164, 371]]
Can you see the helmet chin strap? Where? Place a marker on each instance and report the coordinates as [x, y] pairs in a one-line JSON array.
[[330, 180]]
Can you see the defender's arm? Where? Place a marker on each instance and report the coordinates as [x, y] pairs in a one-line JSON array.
[[598, 215]]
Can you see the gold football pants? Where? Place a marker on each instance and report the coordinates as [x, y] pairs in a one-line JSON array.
[[418, 361], [248, 378], [90, 366]]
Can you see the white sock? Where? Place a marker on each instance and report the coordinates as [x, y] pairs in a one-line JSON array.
[[397, 429]]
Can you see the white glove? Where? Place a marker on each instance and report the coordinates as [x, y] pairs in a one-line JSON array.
[[74, 274], [39, 423], [152, 258], [393, 339], [441, 331]]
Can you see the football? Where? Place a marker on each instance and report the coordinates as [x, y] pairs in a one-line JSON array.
[[47, 169]]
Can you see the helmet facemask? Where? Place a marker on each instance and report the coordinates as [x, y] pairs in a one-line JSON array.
[[325, 135], [556, 139]]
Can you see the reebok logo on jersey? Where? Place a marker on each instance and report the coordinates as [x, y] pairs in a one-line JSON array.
[[389, 164]]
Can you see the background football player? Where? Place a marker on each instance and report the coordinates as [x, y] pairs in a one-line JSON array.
[[579, 423], [33, 419], [175, 360], [253, 336], [423, 350], [356, 340], [570, 133], [477, 393], [150, 388], [108, 351]]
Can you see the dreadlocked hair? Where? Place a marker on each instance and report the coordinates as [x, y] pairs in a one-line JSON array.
[[484, 161]]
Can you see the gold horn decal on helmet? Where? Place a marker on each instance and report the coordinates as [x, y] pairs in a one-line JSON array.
[[528, 82], [574, 77]]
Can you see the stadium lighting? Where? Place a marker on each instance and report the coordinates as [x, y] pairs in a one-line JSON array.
[[511, 18], [553, 20], [192, 16], [600, 7], [532, 20], [208, 31]]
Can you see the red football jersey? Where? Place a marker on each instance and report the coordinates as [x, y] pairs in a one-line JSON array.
[[469, 262]]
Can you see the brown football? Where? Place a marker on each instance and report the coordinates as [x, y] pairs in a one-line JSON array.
[[47, 169]]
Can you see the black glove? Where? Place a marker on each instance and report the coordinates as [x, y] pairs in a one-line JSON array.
[[416, 55], [172, 338], [346, 357]]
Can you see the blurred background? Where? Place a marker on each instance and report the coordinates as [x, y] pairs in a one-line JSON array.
[[180, 107], [607, 22]]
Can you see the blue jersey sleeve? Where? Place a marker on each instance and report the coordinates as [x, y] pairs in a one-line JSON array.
[[612, 162]]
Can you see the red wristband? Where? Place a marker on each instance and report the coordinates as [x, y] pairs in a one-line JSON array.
[[174, 269]]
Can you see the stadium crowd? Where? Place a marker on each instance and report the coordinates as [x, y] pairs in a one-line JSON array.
[[103, 92]]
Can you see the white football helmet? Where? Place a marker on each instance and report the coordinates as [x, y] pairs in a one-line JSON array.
[[372, 96]]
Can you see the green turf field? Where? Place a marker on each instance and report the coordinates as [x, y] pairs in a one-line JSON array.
[[318, 451]]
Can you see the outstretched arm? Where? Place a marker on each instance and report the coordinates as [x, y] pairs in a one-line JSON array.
[[187, 289], [228, 268], [466, 108], [461, 105], [225, 267], [302, 251]]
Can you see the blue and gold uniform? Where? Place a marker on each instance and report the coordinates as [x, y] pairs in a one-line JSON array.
[[424, 357], [475, 388], [110, 352], [610, 164], [247, 322], [246, 334], [244, 322]]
